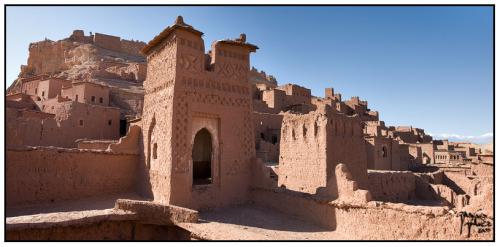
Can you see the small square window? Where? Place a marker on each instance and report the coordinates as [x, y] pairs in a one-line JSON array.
[[109, 122], [81, 122], [100, 100], [93, 99]]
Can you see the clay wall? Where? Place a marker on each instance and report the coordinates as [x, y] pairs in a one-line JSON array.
[[305, 206], [261, 106], [85, 92], [98, 230], [30, 87], [303, 152], [458, 181], [20, 101], [295, 90], [400, 221], [357, 105], [346, 145], [427, 152], [380, 153], [48, 89], [482, 169], [469, 152], [274, 98], [329, 93], [415, 154], [374, 128], [295, 95], [267, 135], [399, 163], [486, 158], [70, 121], [94, 144], [313, 144], [46, 175], [96, 94], [107, 42], [131, 47], [392, 186]]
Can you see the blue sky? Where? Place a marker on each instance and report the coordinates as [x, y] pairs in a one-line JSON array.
[[429, 67]]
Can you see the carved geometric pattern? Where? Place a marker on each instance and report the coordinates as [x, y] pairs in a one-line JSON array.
[[194, 83], [189, 62], [229, 70]]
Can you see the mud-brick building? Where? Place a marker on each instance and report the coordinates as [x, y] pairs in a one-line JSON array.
[[197, 129]]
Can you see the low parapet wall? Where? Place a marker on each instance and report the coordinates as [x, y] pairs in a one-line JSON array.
[[372, 220], [39, 175], [108, 224]]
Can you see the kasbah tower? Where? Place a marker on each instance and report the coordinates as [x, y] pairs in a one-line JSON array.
[[192, 100]]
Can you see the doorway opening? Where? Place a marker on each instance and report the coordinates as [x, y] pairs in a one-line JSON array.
[[202, 157]]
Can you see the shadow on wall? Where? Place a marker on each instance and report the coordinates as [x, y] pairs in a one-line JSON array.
[[144, 186], [260, 217], [412, 188], [305, 206], [454, 186]]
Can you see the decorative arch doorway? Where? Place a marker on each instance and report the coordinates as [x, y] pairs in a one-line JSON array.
[[202, 157]]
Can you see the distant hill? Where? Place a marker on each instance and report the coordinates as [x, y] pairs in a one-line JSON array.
[[99, 58]]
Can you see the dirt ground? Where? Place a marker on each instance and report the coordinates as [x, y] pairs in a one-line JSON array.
[[250, 222]]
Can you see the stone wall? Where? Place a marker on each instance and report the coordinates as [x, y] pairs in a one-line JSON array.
[[46, 175]]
